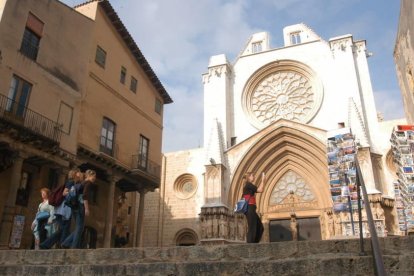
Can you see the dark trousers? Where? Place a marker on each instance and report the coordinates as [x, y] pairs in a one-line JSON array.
[[74, 239], [63, 228], [254, 225]]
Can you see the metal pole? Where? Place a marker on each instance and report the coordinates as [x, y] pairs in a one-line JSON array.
[[379, 263], [350, 204], [361, 233]]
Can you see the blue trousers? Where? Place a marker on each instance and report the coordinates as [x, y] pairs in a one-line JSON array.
[[74, 239], [60, 235]]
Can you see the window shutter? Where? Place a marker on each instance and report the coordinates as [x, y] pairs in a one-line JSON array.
[[34, 24]]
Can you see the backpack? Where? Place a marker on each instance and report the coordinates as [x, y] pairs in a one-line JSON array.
[[242, 206], [56, 196], [71, 199]]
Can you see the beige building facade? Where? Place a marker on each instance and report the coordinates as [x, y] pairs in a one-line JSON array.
[[273, 110], [76, 91], [404, 57]]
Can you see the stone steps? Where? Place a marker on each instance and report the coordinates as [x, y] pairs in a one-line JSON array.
[[336, 257]]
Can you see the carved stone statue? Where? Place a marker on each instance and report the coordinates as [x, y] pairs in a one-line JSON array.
[[223, 227], [240, 229], [379, 212], [232, 229], [294, 227], [337, 225], [209, 228], [215, 227], [203, 228], [331, 229]]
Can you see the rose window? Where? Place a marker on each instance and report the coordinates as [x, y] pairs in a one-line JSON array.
[[283, 92], [185, 186]]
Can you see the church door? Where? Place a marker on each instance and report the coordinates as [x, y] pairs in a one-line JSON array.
[[279, 230], [308, 229]]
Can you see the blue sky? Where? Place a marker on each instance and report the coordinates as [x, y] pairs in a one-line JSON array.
[[178, 37]]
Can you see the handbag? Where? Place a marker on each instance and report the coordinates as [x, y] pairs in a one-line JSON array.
[[242, 206], [42, 215]]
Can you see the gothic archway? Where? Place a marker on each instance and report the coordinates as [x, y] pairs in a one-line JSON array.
[[286, 146]]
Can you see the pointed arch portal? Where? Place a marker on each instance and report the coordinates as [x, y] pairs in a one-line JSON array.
[[293, 159]]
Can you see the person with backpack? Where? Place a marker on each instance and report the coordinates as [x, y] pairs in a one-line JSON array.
[[254, 224], [63, 213], [44, 216], [80, 209]]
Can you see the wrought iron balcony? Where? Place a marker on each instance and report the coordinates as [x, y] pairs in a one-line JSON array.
[[34, 124], [140, 162]]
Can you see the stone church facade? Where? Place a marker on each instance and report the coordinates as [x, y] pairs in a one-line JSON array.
[[272, 110], [404, 56]]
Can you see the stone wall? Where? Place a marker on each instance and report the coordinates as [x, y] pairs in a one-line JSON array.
[[174, 208]]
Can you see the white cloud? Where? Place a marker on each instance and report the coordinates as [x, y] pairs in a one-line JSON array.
[[178, 37]]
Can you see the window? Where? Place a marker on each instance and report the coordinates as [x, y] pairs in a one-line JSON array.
[[65, 117], [31, 37], [295, 38], [129, 210], [18, 98], [108, 137], [158, 106], [100, 57], [233, 141], [257, 47], [123, 74], [143, 152], [133, 86], [30, 44]]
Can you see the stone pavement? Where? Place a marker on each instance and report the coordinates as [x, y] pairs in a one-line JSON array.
[[334, 257]]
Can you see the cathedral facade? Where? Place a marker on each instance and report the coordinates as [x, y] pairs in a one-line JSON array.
[[273, 110]]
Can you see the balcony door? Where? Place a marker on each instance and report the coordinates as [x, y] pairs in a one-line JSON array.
[[18, 97], [143, 152], [107, 136]]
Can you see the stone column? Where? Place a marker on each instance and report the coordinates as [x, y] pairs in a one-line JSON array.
[[266, 231], [10, 206], [110, 211], [140, 220]]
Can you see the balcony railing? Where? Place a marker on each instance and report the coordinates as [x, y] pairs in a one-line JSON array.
[[19, 115], [140, 162]]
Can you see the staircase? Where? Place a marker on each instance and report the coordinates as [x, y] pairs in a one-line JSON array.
[[334, 257]]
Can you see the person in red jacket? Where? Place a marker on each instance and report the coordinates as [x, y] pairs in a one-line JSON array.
[[254, 224]]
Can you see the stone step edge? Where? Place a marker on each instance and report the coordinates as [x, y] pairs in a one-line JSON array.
[[119, 260], [280, 250], [227, 259], [353, 265]]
